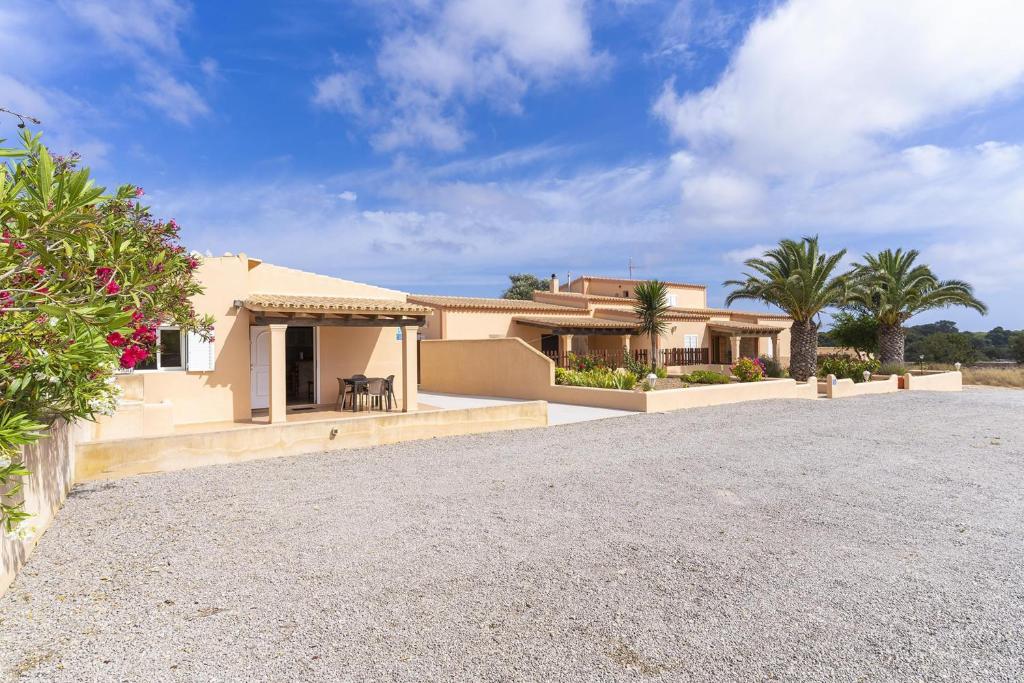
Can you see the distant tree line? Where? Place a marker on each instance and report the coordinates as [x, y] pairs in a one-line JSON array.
[[938, 342]]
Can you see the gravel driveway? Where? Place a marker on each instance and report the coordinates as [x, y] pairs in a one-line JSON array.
[[870, 538]]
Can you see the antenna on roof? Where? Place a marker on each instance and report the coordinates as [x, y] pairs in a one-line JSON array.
[[630, 267]]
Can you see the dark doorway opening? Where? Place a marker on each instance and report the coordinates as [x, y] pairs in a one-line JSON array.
[[549, 343], [300, 366]]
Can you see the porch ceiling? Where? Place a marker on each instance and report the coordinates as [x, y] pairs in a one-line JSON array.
[[740, 329], [312, 311]]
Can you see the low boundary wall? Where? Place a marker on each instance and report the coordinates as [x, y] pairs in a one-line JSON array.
[[510, 368], [842, 388], [939, 381], [122, 457], [52, 463]]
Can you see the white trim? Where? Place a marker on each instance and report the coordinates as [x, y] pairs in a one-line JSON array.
[[182, 342]]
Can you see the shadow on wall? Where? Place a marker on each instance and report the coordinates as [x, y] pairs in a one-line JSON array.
[[52, 463]]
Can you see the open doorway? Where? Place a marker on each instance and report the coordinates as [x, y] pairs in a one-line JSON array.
[[300, 366]]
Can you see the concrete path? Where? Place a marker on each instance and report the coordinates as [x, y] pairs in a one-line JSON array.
[[558, 413]]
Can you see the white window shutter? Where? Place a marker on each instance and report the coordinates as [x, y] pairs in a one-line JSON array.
[[672, 300], [200, 355]]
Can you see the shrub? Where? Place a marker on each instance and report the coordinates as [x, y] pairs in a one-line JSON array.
[[601, 378], [584, 362], [845, 367], [87, 276], [772, 367], [641, 370], [891, 369], [748, 370], [705, 377]]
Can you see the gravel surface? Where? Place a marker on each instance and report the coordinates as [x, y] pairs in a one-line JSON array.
[[872, 538]]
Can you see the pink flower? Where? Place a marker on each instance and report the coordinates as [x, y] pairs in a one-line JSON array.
[[139, 192], [116, 339], [104, 274], [113, 288], [132, 356]]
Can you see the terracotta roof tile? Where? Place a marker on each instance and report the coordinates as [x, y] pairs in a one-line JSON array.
[[331, 304], [482, 303], [576, 321]]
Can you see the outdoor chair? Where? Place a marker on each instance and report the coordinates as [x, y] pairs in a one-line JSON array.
[[392, 399], [377, 390], [351, 386]]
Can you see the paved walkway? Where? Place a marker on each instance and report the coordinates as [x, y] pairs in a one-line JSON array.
[[558, 413]]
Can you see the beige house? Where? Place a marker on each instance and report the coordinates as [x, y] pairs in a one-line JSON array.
[[282, 338], [594, 316]]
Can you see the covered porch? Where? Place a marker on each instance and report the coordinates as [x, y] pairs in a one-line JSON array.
[[731, 340], [299, 376], [599, 338]]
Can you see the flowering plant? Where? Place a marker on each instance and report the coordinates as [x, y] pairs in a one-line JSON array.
[[85, 279], [749, 370]]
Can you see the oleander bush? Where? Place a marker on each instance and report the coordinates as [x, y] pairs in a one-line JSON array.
[[86, 276], [772, 367], [748, 370]]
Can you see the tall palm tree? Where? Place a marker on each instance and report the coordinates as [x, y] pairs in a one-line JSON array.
[[800, 279], [650, 306], [889, 286]]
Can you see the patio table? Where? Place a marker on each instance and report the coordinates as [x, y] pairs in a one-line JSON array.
[[360, 387]]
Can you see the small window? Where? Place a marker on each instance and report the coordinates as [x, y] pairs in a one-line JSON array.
[[672, 300], [690, 341], [625, 293], [170, 353]]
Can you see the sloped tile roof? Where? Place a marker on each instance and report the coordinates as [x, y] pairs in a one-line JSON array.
[[331, 304], [483, 303], [737, 327], [576, 322]]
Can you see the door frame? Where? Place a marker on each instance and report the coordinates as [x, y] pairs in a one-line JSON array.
[[259, 330]]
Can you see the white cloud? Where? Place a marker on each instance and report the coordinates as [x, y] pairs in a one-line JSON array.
[[348, 196], [443, 57], [820, 84], [175, 99]]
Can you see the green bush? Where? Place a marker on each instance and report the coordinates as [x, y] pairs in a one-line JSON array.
[[844, 367], [891, 369], [748, 370], [600, 378], [705, 377], [641, 370], [772, 367]]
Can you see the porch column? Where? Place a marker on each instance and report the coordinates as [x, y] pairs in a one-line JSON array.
[[734, 343], [278, 398], [775, 348], [410, 391], [564, 344]]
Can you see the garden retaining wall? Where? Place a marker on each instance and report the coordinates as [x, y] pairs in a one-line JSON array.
[[52, 463]]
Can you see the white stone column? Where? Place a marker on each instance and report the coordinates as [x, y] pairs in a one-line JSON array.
[[410, 388], [734, 344], [775, 348], [278, 401]]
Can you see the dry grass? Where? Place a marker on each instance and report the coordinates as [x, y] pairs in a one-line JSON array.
[[995, 377]]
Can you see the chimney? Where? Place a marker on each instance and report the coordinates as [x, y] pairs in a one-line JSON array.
[[554, 283]]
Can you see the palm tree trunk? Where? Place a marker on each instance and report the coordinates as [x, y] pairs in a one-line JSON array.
[[891, 343], [654, 353], [803, 361]]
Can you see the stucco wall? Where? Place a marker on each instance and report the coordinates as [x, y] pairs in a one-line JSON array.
[[940, 381], [842, 388], [345, 351], [113, 459], [52, 463], [510, 368], [268, 278]]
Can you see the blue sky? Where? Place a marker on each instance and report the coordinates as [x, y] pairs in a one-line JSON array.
[[438, 145]]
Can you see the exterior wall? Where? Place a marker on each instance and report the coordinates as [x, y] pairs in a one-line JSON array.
[[842, 388], [939, 381], [266, 278], [686, 297], [509, 368], [345, 351], [52, 463], [114, 459], [155, 402]]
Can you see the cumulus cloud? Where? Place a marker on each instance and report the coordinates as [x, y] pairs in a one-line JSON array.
[[440, 59], [821, 84]]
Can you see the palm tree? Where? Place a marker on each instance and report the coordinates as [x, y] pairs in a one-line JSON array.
[[651, 306], [890, 287], [799, 279]]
